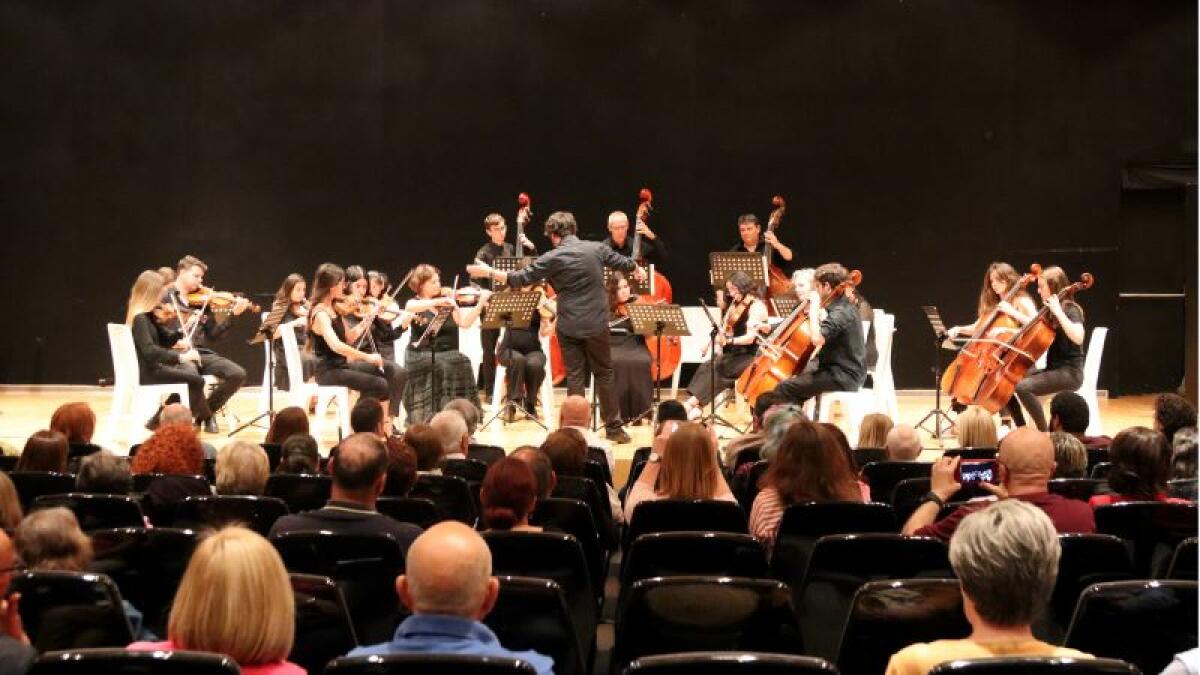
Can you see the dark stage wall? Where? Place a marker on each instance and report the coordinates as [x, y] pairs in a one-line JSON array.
[[915, 140]]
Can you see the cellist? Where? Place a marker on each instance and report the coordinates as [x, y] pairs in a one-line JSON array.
[[839, 336], [1064, 358], [997, 281], [738, 339]]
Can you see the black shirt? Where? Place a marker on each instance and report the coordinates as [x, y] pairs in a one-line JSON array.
[[327, 359], [445, 340], [1063, 353], [575, 269], [524, 340], [844, 354], [152, 342], [348, 518], [653, 250]]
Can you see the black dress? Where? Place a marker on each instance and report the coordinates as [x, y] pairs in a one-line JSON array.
[[631, 369]]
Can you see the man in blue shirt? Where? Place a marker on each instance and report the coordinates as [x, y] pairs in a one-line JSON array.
[[449, 587]]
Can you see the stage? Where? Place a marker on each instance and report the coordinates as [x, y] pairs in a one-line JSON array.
[[26, 409]]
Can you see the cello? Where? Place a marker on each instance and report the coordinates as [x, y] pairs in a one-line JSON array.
[[789, 348], [1013, 359], [778, 283], [666, 360], [965, 376]]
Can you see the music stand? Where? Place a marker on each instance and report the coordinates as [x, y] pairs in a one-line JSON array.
[[722, 265], [509, 264], [636, 287], [656, 321], [937, 415], [785, 304], [713, 417], [266, 332], [510, 309]]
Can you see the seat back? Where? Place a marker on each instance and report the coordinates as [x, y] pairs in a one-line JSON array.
[[485, 453], [324, 630], [906, 496], [466, 469], [71, 610], [865, 456], [96, 512], [531, 614], [685, 515], [575, 518], [1091, 361], [147, 565], [1182, 488], [730, 663], [291, 356], [883, 476], [301, 492], [1143, 622], [124, 357], [33, 484], [1151, 529], [1100, 470], [1036, 665], [1183, 563], [597, 469], [691, 614], [587, 491], [120, 660], [415, 510], [451, 495], [256, 513], [428, 664], [1075, 488], [886, 616], [665, 554], [1086, 559], [804, 523]]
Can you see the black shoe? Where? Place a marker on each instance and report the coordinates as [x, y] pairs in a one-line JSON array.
[[153, 422], [617, 436], [530, 408], [210, 426]]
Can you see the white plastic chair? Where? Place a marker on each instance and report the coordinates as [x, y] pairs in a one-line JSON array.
[[690, 345], [471, 345], [129, 394], [264, 399], [884, 384], [300, 391], [855, 404], [1091, 376], [546, 392]]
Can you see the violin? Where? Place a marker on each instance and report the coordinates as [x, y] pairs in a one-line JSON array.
[[466, 296], [217, 301], [778, 283]]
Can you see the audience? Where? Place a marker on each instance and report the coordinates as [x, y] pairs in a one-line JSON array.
[[903, 443], [172, 448], [576, 413], [751, 439], [288, 422], [873, 431], [1006, 559], [359, 475], [1070, 457], [103, 473], [242, 469], [448, 586], [539, 463], [810, 467], [470, 413], [425, 442], [975, 428], [401, 468], [44, 451], [687, 469], [16, 654], [567, 451], [842, 444], [1025, 463], [235, 599], [178, 413], [367, 416], [1069, 413], [1183, 456], [1172, 412], [1141, 466], [508, 495], [76, 421], [10, 505], [451, 430], [299, 454], [778, 420]]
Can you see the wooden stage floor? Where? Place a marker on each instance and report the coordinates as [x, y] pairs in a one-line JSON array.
[[24, 410]]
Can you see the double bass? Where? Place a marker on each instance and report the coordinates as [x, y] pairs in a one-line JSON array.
[[665, 360], [963, 379], [1013, 359], [789, 348], [546, 305], [778, 283]]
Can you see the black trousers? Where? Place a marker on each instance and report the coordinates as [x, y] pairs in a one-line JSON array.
[[583, 355], [487, 366], [1041, 383], [231, 375], [190, 375], [729, 367], [367, 380], [526, 371], [800, 388]]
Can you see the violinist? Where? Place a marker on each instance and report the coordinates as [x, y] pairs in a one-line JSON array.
[[630, 357], [997, 281], [521, 353], [293, 294], [200, 327], [163, 357], [496, 229], [653, 250], [839, 338], [737, 342], [375, 336], [339, 364], [1064, 358], [438, 371]]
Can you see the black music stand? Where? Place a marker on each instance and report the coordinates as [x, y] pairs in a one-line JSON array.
[[713, 417], [510, 309], [509, 264], [644, 287], [266, 332], [937, 415], [785, 304], [656, 321], [431, 330]]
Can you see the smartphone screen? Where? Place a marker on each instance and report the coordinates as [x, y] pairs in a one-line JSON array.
[[976, 471]]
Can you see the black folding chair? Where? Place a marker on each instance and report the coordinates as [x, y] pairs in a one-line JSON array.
[[96, 512], [428, 664], [466, 469], [1075, 488], [1036, 665], [1151, 529], [1143, 622], [415, 510], [531, 614], [685, 515], [730, 663], [256, 513], [451, 495], [301, 492], [33, 484], [123, 662], [147, 565], [71, 610], [883, 476], [886, 616], [1183, 563], [1086, 559], [804, 523], [573, 517], [324, 630], [665, 554], [487, 454]]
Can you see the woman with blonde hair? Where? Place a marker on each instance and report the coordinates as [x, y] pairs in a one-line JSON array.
[[242, 469], [164, 357], [234, 599], [10, 505], [873, 431], [687, 469], [975, 428]]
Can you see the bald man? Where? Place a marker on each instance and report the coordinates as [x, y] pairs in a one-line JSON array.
[[449, 587], [576, 413], [15, 652], [1025, 466], [903, 444]]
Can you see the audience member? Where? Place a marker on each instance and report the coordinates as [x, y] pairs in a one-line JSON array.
[[873, 431], [576, 413], [508, 495], [288, 422], [543, 471], [10, 507], [1070, 457], [687, 470], [808, 467], [1069, 413], [1006, 559], [903, 443], [451, 430], [401, 469], [1183, 455], [777, 421], [16, 654], [178, 413], [1141, 466], [235, 599], [1172, 412], [842, 444], [470, 413], [751, 439], [671, 409], [299, 454], [975, 428], [173, 448], [1025, 463], [44, 451], [448, 586], [367, 416], [359, 474], [103, 473], [242, 469], [425, 442], [567, 451], [76, 421]]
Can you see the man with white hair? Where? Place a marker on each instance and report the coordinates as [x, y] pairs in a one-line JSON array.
[[178, 413], [903, 444], [653, 250], [1006, 559], [451, 430], [449, 587]]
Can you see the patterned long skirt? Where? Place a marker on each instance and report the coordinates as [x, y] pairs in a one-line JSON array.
[[435, 379]]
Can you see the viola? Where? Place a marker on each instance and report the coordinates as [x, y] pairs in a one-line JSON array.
[[778, 283], [671, 351], [217, 301]]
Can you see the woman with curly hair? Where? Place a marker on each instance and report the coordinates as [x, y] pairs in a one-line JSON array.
[[174, 448]]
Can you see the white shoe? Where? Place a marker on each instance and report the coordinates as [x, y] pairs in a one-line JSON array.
[[694, 413]]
